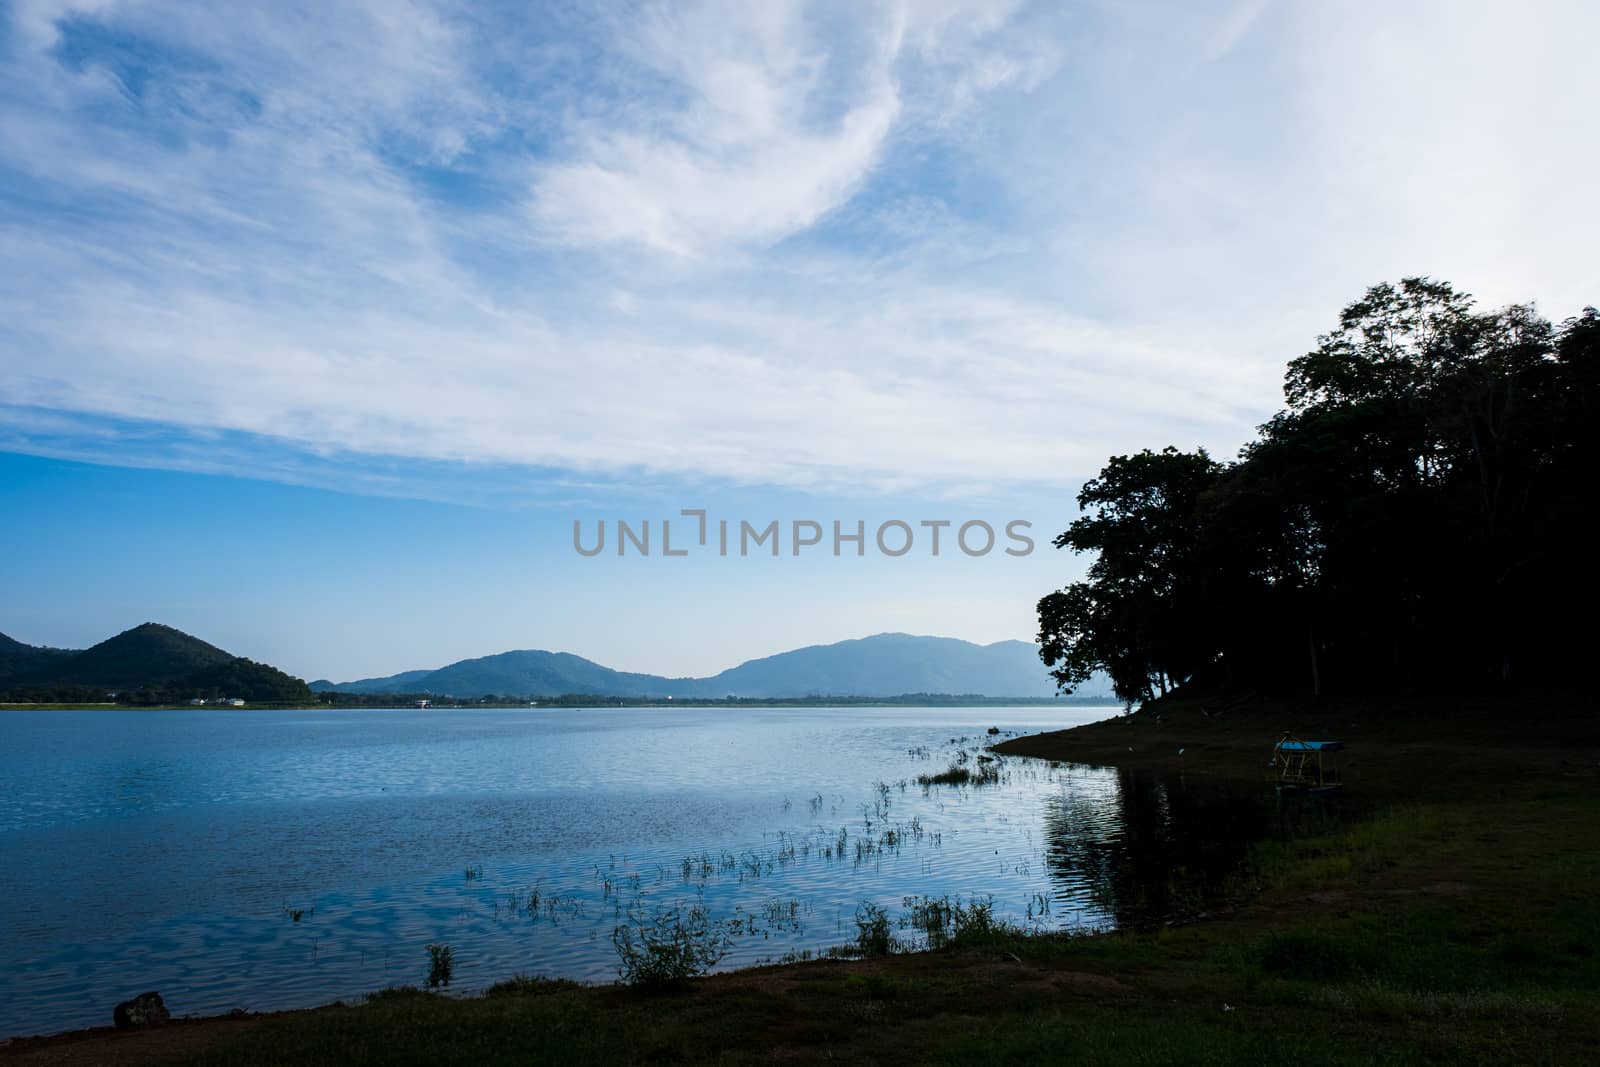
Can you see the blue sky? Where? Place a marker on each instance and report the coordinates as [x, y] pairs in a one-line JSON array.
[[328, 583], [401, 289]]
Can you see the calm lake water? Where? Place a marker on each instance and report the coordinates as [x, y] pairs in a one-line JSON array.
[[278, 859]]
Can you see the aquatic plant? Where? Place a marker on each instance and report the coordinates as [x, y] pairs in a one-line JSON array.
[[873, 935], [934, 916], [975, 922], [668, 946], [955, 775], [987, 773], [441, 965], [946, 920], [534, 904], [780, 911]]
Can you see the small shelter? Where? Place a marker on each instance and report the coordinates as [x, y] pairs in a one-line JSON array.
[[1308, 766]]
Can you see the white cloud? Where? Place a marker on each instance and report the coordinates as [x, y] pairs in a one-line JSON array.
[[679, 198], [749, 154], [930, 246]]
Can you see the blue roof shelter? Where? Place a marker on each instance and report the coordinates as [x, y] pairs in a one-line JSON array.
[[1305, 766]]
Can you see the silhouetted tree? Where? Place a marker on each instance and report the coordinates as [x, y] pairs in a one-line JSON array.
[[1132, 614], [1417, 513]]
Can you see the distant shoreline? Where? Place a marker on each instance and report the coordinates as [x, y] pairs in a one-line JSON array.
[[603, 703]]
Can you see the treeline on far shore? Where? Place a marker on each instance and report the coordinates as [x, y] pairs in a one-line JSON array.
[[92, 696], [590, 700], [254, 691]]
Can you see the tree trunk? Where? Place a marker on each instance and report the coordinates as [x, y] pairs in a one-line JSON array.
[[1316, 669]]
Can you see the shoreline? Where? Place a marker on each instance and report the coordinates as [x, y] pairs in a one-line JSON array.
[[1474, 832], [1404, 748], [797, 704]]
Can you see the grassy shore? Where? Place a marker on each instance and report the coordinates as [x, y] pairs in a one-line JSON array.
[[1398, 750], [1460, 923], [13, 705], [24, 705]]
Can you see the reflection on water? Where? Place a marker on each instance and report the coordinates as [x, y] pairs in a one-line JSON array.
[[268, 860], [1154, 848]]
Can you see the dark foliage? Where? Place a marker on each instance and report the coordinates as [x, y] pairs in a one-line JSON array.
[[149, 653], [149, 664], [18, 660], [1419, 514]]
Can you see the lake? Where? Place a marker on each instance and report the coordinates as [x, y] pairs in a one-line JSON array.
[[275, 859]]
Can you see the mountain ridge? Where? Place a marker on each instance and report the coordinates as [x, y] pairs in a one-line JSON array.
[[880, 665], [154, 663]]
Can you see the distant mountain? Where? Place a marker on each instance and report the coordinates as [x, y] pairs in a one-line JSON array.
[[888, 665], [150, 663], [394, 683], [20, 660], [150, 654], [10, 647], [539, 673], [523, 673], [881, 666]]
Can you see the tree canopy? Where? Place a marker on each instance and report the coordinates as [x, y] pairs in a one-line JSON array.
[[1418, 514]]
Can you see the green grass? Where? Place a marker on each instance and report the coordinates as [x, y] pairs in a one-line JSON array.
[[1463, 931], [525, 985]]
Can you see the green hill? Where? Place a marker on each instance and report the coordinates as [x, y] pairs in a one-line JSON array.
[[149, 664], [145, 655], [10, 647], [18, 660]]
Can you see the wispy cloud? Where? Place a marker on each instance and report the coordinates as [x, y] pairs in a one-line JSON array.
[[920, 245], [752, 144]]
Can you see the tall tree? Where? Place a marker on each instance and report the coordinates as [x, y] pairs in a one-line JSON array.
[[1133, 614], [1418, 514]]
